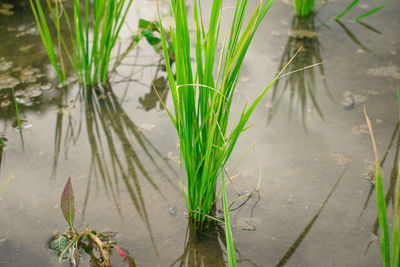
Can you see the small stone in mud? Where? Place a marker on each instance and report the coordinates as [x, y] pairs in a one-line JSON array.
[[247, 224], [348, 103], [350, 99], [172, 210]]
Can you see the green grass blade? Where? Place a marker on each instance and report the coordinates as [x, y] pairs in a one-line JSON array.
[[228, 231], [45, 36], [396, 234], [8, 179], [347, 9], [380, 197], [366, 14]]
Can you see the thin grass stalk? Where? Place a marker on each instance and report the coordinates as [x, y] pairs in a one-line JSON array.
[[228, 231], [396, 234], [380, 195], [7, 181], [45, 36]]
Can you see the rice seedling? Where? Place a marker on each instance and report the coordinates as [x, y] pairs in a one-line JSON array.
[[366, 14], [202, 100], [91, 46], [69, 244], [390, 253], [304, 8]]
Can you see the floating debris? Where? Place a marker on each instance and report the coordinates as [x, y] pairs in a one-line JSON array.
[[369, 173], [340, 159], [46, 87], [5, 103], [26, 96], [361, 129], [23, 30], [66, 110], [5, 65], [30, 75], [145, 127], [5, 9], [389, 71], [25, 124], [302, 33], [6, 81], [25, 48], [170, 156]]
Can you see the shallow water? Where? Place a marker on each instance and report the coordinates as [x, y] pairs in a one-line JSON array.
[[312, 150]]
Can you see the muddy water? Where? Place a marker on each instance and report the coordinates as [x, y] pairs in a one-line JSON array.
[[311, 160]]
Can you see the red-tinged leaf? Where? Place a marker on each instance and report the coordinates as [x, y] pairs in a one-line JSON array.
[[67, 203], [125, 256]]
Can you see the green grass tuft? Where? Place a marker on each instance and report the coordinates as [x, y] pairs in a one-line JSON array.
[[304, 8], [202, 96], [91, 46]]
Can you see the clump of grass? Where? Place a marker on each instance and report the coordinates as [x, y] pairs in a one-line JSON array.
[[388, 259], [304, 8], [202, 101], [202, 96], [91, 46]]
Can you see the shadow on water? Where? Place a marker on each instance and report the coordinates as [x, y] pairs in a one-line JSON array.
[[309, 226], [301, 73], [159, 86], [394, 144], [206, 248], [2, 144], [119, 151]]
